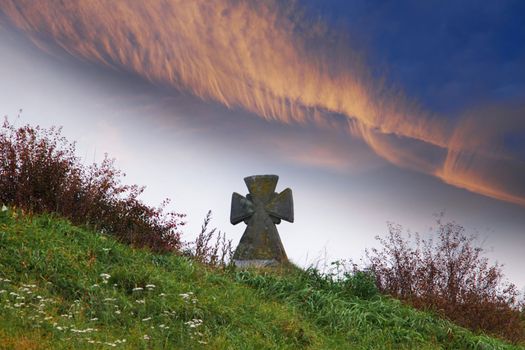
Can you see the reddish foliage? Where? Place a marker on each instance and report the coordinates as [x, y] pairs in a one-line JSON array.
[[451, 277], [40, 172]]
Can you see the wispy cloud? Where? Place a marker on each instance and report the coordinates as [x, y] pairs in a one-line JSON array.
[[271, 60]]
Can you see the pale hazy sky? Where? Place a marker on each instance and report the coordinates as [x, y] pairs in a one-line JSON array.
[[197, 153]]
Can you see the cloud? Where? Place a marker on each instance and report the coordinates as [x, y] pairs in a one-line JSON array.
[[272, 60]]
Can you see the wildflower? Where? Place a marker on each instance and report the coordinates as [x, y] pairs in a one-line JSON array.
[[146, 319], [117, 312], [140, 301], [162, 294], [95, 286], [3, 291], [110, 299], [105, 277], [4, 208], [194, 323], [94, 319], [106, 249], [186, 295], [136, 289], [146, 337], [150, 286]]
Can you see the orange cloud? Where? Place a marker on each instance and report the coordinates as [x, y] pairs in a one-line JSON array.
[[268, 59]]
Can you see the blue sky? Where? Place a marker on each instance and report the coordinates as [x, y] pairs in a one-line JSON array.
[[449, 55], [370, 112]]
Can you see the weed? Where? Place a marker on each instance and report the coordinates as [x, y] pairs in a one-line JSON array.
[[450, 277]]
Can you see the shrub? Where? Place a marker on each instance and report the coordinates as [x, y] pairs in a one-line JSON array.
[[40, 172], [451, 277]]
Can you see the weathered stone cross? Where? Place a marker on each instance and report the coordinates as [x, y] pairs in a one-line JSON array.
[[261, 210]]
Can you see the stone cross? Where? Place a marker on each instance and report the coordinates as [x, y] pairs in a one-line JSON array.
[[261, 210]]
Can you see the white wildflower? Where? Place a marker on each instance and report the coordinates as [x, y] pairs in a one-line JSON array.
[[146, 319], [140, 301], [136, 289], [146, 337], [117, 312], [106, 249], [94, 319], [186, 295], [194, 323], [4, 208]]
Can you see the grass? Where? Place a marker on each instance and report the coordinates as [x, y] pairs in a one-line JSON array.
[[64, 287]]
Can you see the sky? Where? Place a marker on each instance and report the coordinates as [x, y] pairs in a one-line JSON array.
[[372, 112]]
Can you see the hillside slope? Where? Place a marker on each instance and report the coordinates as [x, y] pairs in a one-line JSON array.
[[63, 287]]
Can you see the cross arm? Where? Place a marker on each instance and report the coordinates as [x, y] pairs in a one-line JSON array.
[[241, 209], [281, 206]]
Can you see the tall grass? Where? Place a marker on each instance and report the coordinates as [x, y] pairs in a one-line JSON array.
[[376, 321], [64, 287]]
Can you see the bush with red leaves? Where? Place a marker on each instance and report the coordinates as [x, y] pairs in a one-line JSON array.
[[451, 277], [40, 172]]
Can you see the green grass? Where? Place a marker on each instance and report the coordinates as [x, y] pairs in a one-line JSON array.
[[63, 287]]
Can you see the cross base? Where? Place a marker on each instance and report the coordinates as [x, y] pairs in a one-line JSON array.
[[256, 263]]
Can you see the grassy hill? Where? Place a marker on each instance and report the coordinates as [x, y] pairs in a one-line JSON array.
[[63, 287]]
